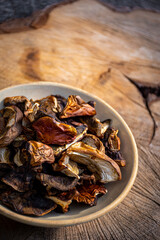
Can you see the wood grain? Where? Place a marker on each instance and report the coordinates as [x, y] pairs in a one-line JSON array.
[[109, 54]]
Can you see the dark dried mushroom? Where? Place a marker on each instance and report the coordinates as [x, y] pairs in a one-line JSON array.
[[63, 199], [19, 180], [47, 106], [39, 153], [20, 101], [19, 141], [94, 142], [4, 155], [3, 187], [92, 103], [121, 163], [58, 201], [12, 116], [95, 126], [52, 191], [66, 166], [81, 132], [28, 131], [4, 169], [31, 113], [114, 141], [50, 131], [62, 183], [29, 108], [115, 155], [27, 203], [2, 124], [61, 103], [88, 193], [76, 106], [18, 160], [112, 146], [89, 178], [104, 168]]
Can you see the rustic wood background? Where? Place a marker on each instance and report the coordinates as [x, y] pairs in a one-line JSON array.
[[116, 57]]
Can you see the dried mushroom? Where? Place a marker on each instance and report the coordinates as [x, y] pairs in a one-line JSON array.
[[27, 107], [19, 141], [114, 141], [27, 203], [58, 201], [64, 199], [121, 163], [95, 126], [2, 124], [12, 116], [4, 169], [18, 160], [81, 132], [88, 193], [20, 101], [62, 183], [19, 180], [50, 131], [104, 168], [4, 155], [47, 106], [61, 103], [54, 151], [39, 153], [89, 178], [94, 142], [31, 113], [3, 187], [77, 107], [112, 146], [67, 167], [28, 131]]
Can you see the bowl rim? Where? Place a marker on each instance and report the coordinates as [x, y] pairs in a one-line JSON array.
[[41, 222]]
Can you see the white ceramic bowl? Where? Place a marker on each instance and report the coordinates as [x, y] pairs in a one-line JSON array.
[[117, 191]]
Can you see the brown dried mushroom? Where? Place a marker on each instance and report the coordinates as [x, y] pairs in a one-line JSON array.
[[77, 107], [28, 203], [4, 169], [50, 131], [4, 155], [19, 180], [95, 126], [47, 106], [104, 168], [114, 141], [66, 166], [64, 199], [81, 132], [94, 142], [62, 183], [20, 101], [88, 193], [39, 153], [12, 116]]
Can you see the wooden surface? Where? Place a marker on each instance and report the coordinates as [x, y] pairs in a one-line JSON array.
[[116, 57]]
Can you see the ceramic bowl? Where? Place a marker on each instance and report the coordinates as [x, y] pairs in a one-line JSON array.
[[117, 191]]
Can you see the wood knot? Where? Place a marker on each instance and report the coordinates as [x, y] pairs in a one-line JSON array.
[[29, 62], [103, 78]]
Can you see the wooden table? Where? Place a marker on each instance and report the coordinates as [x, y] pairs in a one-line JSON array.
[[116, 57]]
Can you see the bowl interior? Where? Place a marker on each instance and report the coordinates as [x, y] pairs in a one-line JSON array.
[[116, 190]]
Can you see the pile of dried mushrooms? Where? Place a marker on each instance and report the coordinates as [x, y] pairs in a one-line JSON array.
[[54, 151]]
